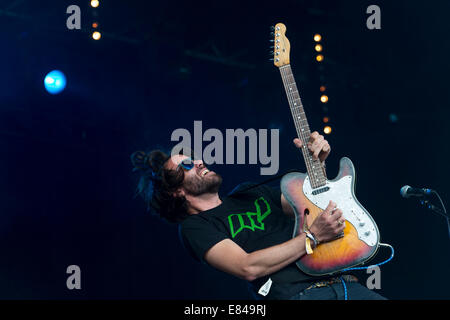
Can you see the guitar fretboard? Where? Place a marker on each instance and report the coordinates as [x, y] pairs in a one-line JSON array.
[[314, 167]]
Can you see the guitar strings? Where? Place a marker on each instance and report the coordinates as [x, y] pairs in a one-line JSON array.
[[294, 115], [291, 100], [297, 111], [319, 176]]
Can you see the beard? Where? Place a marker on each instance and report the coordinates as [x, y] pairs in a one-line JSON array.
[[196, 185]]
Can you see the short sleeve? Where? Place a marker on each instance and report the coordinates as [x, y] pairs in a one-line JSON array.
[[273, 193], [198, 235]]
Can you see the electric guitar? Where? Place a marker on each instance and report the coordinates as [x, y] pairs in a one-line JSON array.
[[309, 194]]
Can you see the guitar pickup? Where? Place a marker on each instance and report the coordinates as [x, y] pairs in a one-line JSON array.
[[321, 190]]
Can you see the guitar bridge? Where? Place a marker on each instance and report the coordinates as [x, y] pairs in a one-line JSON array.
[[321, 190]]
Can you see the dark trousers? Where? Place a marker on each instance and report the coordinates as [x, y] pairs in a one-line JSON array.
[[335, 291]]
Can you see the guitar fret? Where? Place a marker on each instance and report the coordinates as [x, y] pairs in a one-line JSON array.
[[303, 120], [298, 107], [299, 116]]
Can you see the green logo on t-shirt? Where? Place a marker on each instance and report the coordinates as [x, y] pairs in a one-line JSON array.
[[249, 220]]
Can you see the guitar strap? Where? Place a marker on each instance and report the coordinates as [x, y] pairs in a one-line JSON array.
[[277, 177]]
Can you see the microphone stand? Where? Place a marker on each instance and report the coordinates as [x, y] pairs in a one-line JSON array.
[[443, 212]]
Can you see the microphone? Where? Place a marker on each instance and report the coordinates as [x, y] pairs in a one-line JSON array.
[[407, 192]]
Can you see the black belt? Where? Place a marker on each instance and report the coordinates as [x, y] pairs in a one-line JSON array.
[[284, 291], [324, 283]]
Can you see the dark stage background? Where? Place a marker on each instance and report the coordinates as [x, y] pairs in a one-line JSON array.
[[66, 183]]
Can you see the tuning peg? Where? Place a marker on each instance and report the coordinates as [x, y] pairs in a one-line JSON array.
[[271, 40], [272, 28], [271, 47]]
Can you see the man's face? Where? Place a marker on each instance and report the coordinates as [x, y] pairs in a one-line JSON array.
[[199, 179]]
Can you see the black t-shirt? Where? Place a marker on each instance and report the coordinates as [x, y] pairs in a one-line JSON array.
[[254, 220]]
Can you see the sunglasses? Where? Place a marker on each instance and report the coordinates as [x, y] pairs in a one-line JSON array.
[[187, 164]]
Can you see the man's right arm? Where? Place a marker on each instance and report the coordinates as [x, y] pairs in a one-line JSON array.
[[229, 257]]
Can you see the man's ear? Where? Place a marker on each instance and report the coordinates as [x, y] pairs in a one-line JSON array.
[[179, 193]]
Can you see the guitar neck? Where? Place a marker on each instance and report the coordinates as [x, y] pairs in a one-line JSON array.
[[314, 167]]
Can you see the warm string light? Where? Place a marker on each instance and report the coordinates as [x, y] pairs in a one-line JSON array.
[[96, 35], [318, 47]]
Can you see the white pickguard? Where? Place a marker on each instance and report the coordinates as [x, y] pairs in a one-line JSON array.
[[341, 193]]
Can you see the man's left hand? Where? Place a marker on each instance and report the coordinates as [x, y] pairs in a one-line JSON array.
[[317, 145]]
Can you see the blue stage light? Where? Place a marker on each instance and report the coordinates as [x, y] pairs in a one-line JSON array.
[[55, 82], [393, 118]]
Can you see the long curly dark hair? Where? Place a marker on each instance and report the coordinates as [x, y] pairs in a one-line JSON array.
[[158, 185]]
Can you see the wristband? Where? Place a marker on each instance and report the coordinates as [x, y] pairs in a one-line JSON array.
[[311, 236], [308, 245]]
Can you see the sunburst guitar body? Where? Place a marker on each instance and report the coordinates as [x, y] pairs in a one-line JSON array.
[[310, 193], [361, 236]]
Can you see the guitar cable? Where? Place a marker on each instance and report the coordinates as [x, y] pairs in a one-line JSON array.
[[365, 268]]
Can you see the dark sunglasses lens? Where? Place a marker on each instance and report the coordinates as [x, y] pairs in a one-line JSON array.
[[188, 164]]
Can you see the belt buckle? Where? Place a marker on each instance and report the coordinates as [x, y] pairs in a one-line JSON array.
[[320, 284], [349, 278]]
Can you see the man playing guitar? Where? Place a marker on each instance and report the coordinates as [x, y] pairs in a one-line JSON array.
[[248, 233]]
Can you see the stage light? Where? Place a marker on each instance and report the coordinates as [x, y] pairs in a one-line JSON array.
[[95, 25], [393, 118], [327, 129], [55, 82], [324, 98], [322, 88], [94, 3], [319, 57], [318, 47], [326, 119], [317, 37], [96, 35]]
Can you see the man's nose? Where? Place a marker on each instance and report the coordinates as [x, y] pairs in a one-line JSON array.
[[198, 163]]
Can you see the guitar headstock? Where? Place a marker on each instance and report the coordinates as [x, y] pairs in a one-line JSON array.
[[281, 46]]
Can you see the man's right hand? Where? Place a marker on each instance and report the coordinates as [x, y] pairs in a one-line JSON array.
[[329, 224]]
